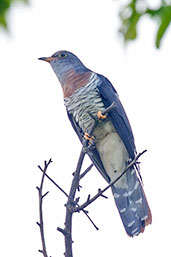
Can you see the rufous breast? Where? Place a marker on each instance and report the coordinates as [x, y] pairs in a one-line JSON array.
[[74, 81]]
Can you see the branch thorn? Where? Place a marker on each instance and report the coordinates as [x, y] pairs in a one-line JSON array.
[[104, 196], [77, 200], [45, 194], [88, 198], [86, 211], [63, 231], [40, 167]]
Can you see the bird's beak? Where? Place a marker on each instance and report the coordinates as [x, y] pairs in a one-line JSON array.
[[47, 59]]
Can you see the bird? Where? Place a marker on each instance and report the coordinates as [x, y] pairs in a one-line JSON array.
[[86, 95]]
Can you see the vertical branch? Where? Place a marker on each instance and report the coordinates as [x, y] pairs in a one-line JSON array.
[[70, 206], [41, 196]]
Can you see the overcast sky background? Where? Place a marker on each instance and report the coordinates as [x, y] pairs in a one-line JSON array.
[[34, 127]]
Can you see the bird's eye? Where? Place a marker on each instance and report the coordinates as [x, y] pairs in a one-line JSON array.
[[62, 55]]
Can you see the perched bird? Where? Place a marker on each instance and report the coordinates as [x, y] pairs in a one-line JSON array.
[[86, 92]]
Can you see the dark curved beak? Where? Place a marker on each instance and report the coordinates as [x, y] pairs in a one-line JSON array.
[[47, 59]]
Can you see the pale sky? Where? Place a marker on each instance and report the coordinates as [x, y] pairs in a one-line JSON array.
[[34, 127]]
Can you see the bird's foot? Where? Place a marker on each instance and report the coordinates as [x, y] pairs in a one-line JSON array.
[[89, 143], [101, 116], [89, 138]]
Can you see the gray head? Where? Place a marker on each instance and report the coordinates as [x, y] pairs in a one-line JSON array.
[[63, 62]]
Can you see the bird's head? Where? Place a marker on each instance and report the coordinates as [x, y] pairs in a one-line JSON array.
[[63, 62]]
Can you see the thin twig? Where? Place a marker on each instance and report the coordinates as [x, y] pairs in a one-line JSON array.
[[41, 196], [56, 185], [86, 213], [100, 192], [110, 108], [74, 202], [86, 171]]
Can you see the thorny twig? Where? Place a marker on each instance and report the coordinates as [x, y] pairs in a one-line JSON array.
[[73, 201], [41, 196], [72, 204], [60, 188]]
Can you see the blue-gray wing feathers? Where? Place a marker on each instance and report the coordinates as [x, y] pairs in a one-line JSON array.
[[117, 115]]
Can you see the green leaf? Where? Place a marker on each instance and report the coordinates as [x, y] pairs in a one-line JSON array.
[[131, 32], [165, 19], [4, 8], [130, 18], [163, 15], [3, 21], [24, 1]]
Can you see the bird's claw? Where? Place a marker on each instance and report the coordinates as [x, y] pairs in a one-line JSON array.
[[88, 149], [101, 116], [89, 138], [91, 143]]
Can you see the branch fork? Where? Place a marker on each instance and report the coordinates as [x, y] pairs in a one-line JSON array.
[[72, 205]]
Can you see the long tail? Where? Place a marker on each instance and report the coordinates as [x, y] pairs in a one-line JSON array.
[[132, 205]]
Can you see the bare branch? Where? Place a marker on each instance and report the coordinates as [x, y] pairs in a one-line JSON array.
[[70, 207], [62, 231], [75, 202], [55, 184], [72, 203], [86, 171], [86, 213], [41, 196], [45, 194], [38, 223], [100, 192]]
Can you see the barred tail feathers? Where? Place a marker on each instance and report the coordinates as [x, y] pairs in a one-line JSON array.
[[132, 205]]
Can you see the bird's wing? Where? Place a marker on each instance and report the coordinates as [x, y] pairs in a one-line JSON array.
[[117, 115], [92, 152]]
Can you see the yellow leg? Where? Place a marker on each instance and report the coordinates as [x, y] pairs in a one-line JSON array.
[[101, 116]]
